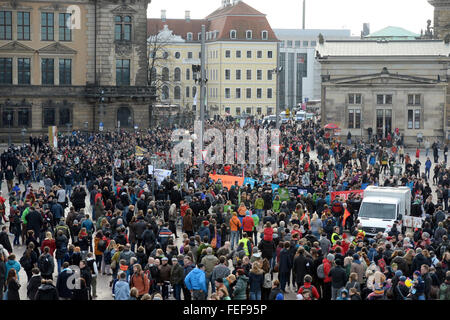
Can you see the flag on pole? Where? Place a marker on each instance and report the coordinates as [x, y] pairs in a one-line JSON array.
[[139, 151], [346, 215]]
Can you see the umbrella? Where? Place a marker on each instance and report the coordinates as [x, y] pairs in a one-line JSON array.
[[331, 126]]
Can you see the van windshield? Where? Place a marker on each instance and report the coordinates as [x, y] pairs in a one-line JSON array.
[[377, 210]]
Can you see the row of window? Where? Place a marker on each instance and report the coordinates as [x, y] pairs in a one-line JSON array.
[[48, 71], [248, 93], [382, 99], [384, 118], [24, 71], [259, 54], [249, 110], [297, 44], [24, 26], [21, 117], [211, 35], [165, 92]]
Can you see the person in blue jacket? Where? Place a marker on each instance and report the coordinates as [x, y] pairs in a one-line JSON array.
[[12, 264], [195, 282], [122, 288]]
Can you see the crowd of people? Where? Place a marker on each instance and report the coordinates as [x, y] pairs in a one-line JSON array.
[[97, 212]]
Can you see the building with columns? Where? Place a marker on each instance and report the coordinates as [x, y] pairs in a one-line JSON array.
[[73, 64], [379, 86], [241, 50]]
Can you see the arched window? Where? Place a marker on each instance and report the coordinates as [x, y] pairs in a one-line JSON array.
[[264, 35], [177, 74], [188, 74], [165, 74], [187, 92], [153, 75], [248, 34], [233, 34], [165, 93], [177, 93], [194, 91], [189, 36]]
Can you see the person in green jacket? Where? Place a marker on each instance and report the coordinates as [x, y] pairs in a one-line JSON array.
[[259, 207], [256, 220], [239, 292], [276, 204]]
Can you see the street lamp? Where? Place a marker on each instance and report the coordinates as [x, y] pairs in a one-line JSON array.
[[9, 132], [24, 131], [277, 71]]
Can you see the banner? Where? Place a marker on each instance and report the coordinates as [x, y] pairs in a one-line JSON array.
[[161, 174], [53, 136], [275, 187], [227, 181], [297, 190], [250, 181], [412, 222], [344, 194], [284, 194]]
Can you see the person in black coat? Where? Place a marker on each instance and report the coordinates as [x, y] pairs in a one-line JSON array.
[[13, 285], [300, 266], [4, 239], [33, 284], [267, 249], [285, 266], [2, 273], [61, 284], [34, 221], [47, 291], [338, 278], [82, 293]]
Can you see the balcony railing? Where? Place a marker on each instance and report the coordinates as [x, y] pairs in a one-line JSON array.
[[116, 92]]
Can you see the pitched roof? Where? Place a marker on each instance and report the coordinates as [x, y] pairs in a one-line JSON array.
[[360, 48], [393, 33], [240, 8], [179, 27]]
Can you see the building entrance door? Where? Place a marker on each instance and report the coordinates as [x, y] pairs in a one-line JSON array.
[[384, 123], [125, 118]]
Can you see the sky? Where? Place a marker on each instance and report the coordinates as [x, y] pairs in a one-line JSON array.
[[320, 14]]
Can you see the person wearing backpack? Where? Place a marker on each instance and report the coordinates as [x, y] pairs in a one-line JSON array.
[[61, 243], [33, 284], [307, 285], [29, 260], [323, 273], [100, 245], [46, 264], [92, 265], [127, 254], [139, 280]]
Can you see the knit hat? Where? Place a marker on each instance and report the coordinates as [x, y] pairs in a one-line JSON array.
[[279, 297], [417, 273], [330, 257], [165, 259], [398, 273], [75, 221], [205, 223], [402, 278], [219, 280], [356, 256]]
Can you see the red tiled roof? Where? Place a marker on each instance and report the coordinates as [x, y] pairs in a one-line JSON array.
[[240, 17], [240, 8], [179, 27]]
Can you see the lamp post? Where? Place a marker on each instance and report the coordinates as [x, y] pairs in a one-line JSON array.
[[153, 159], [277, 71], [9, 131]]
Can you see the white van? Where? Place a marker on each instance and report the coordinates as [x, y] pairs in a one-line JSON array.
[[382, 206]]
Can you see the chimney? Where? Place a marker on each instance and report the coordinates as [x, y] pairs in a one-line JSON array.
[[304, 14], [187, 15], [366, 29], [163, 15]]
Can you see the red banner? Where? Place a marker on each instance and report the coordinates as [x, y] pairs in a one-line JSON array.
[[343, 195]]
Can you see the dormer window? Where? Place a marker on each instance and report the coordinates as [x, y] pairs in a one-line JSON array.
[[189, 36], [248, 34], [264, 35], [199, 36], [233, 34]]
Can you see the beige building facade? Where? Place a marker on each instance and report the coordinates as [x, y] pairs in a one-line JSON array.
[[378, 87], [73, 64]]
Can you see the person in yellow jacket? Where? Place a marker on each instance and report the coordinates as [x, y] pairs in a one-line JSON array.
[[235, 226], [247, 245], [335, 236]]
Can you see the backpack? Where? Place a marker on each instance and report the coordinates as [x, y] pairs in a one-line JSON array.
[[107, 257], [26, 263], [101, 245], [267, 281], [321, 271], [45, 264]]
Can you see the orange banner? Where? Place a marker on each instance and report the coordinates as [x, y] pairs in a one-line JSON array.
[[228, 181]]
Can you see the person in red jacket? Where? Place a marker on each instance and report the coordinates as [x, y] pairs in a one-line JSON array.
[[49, 242], [248, 224], [327, 265], [308, 286], [268, 232]]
